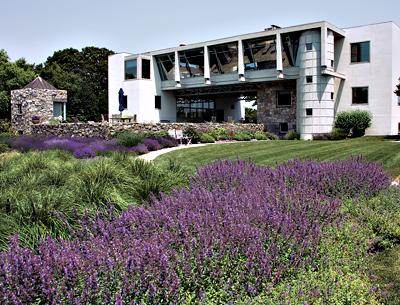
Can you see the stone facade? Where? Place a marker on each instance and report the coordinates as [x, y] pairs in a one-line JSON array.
[[28, 102], [106, 130], [270, 113]]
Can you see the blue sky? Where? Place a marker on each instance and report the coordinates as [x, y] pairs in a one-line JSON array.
[[35, 29]]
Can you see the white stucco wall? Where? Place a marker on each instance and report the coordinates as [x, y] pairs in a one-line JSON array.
[[376, 75], [395, 78]]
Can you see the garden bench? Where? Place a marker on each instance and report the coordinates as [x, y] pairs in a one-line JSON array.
[[178, 134]]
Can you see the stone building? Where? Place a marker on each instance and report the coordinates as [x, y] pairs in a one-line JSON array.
[[37, 100]]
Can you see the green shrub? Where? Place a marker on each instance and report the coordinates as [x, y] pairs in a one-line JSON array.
[[220, 134], [5, 125], [46, 193], [259, 135], [271, 136], [242, 136], [292, 135], [354, 122], [192, 133], [130, 139], [338, 134], [206, 138], [4, 148]]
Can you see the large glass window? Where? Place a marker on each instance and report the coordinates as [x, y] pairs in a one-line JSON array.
[[166, 66], [195, 109], [259, 54], [360, 95], [223, 58], [130, 69], [145, 68], [360, 52], [191, 63], [290, 47]]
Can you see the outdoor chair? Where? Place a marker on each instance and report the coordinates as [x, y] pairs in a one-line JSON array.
[[178, 134]]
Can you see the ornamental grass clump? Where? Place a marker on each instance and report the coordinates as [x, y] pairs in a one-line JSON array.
[[237, 232]]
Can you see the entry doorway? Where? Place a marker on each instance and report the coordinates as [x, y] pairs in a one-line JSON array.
[[220, 115]]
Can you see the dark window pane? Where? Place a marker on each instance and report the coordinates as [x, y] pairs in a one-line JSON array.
[[166, 66], [309, 111], [146, 68], [360, 95], [283, 127], [290, 47], [309, 79], [284, 99], [309, 46], [194, 109], [125, 102], [157, 102], [360, 52], [130, 69]]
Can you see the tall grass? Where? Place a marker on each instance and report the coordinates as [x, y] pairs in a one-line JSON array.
[[46, 193]]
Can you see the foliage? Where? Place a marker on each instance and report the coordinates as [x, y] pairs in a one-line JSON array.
[[292, 135], [192, 133], [381, 214], [129, 139], [334, 135], [13, 75], [220, 134], [227, 239], [354, 122], [46, 193], [5, 125], [54, 121], [4, 148], [242, 136], [85, 75], [271, 136], [206, 138], [259, 135], [152, 144], [250, 115]]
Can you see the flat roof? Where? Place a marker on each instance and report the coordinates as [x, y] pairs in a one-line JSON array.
[[271, 32]]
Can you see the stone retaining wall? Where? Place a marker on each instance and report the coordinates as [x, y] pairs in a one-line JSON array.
[[106, 130]]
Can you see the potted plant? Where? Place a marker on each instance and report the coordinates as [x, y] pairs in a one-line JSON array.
[[35, 119]]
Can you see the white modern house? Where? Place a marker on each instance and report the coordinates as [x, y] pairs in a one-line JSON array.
[[300, 76]]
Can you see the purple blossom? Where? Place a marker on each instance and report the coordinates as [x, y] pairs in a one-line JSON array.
[[239, 226], [139, 149], [152, 144]]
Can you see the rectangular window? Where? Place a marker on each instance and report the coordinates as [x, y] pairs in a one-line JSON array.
[[332, 63], [283, 99], [259, 54], [197, 109], [223, 58], [131, 69], [19, 108], [166, 66], [145, 68], [360, 95], [125, 102], [157, 102], [58, 109], [283, 127], [309, 79], [191, 63], [309, 111], [332, 95], [309, 46], [360, 52]]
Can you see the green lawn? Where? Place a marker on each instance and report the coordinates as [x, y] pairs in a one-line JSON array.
[[273, 152]]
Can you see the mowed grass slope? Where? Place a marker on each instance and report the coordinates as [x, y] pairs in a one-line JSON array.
[[273, 152]]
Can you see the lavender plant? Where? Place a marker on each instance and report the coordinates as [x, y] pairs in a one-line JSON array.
[[239, 230]]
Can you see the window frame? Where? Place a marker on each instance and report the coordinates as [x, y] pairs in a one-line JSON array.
[[149, 66], [307, 45], [308, 112], [157, 102], [352, 95], [309, 77], [136, 74], [369, 52]]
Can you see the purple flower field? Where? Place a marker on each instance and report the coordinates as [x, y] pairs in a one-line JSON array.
[[87, 147], [238, 229]]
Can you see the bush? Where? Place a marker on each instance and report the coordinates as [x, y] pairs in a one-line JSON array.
[[354, 122], [5, 126], [139, 149], [206, 138], [192, 133], [152, 144], [129, 139], [259, 135], [242, 136], [225, 240], [271, 136], [220, 134], [292, 135], [338, 134], [4, 148]]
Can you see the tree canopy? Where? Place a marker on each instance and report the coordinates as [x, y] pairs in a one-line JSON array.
[[13, 75], [84, 74]]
